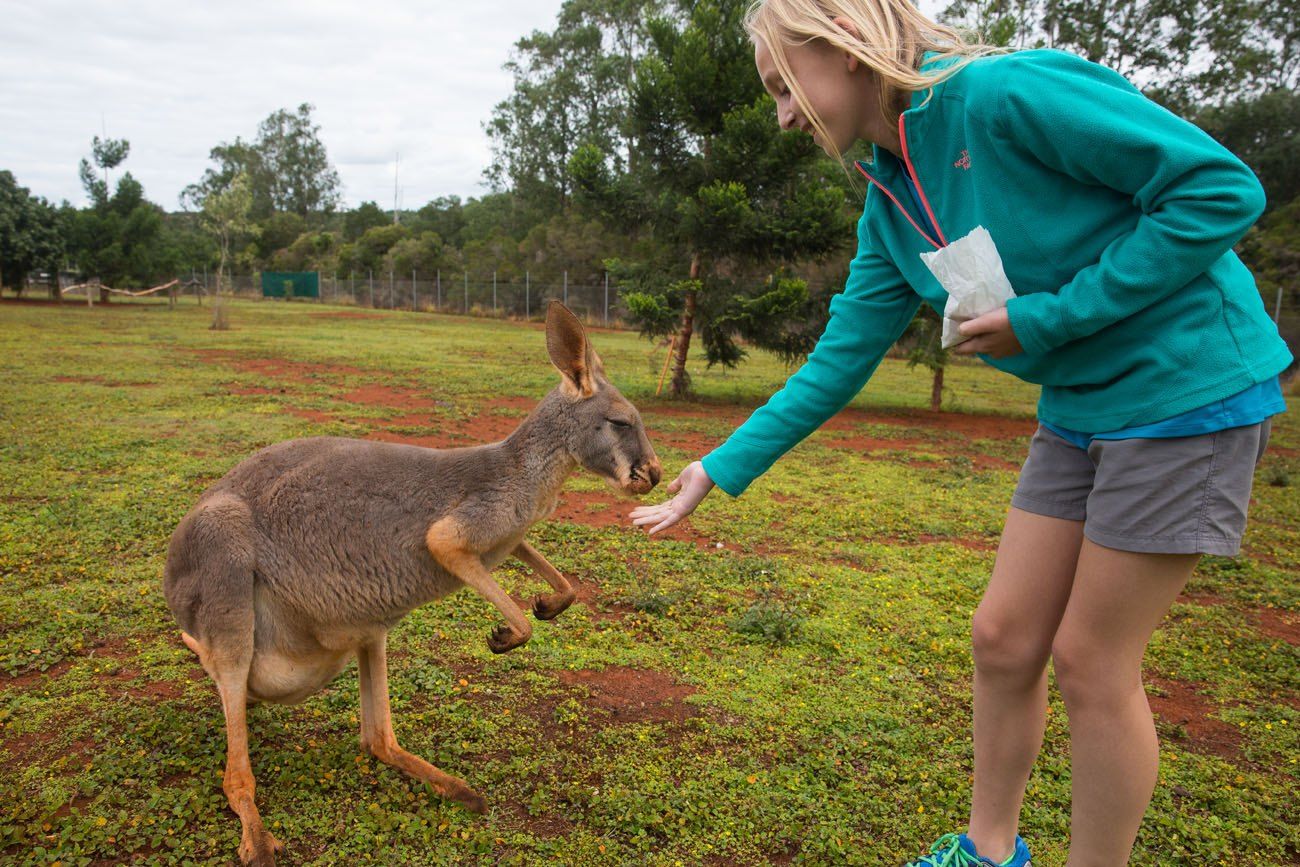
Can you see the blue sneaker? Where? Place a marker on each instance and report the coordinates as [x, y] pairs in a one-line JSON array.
[[956, 850]]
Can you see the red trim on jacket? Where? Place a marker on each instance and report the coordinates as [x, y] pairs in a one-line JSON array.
[[925, 202], [899, 205]]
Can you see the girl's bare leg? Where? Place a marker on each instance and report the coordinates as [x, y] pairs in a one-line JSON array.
[[1118, 600], [1012, 637]]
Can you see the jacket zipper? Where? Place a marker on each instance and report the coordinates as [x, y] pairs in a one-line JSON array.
[[911, 171]]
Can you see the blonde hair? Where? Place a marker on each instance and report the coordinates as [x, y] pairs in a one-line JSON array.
[[893, 36]]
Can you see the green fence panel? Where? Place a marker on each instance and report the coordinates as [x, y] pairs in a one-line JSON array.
[[290, 284]]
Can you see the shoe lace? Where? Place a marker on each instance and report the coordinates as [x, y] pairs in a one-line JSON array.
[[944, 852]]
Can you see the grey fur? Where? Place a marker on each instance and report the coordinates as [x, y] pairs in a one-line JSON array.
[[310, 550]]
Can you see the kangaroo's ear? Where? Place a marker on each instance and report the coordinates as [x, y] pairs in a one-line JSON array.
[[595, 365], [572, 355]]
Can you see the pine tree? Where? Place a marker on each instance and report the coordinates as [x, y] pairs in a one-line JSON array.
[[729, 198]]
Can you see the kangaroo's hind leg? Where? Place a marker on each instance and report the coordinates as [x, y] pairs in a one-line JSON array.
[[257, 846], [209, 587], [378, 739], [547, 607]]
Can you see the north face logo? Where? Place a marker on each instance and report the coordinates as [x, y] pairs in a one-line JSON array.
[[963, 162]]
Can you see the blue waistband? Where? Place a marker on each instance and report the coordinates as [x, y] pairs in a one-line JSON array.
[[1251, 406]]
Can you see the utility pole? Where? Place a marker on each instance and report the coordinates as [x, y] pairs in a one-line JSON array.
[[397, 162]]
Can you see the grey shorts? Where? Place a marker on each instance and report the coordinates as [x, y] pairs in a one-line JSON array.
[[1182, 495]]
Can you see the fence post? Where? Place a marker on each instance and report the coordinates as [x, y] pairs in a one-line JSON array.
[[566, 288], [320, 292], [466, 310], [371, 272], [415, 294], [437, 279], [1277, 309], [528, 300], [607, 299], [494, 293]]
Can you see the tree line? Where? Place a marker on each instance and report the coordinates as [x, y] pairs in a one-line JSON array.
[[649, 115], [638, 140]]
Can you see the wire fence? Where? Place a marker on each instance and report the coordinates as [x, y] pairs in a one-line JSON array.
[[476, 294], [459, 292]]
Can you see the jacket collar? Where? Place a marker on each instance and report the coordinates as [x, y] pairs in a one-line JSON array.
[[916, 116]]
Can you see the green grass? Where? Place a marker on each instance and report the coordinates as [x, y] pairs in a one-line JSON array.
[[816, 668]]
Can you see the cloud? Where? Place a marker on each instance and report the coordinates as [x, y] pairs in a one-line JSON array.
[[177, 79]]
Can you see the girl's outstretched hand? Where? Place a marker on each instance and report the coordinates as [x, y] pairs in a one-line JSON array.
[[691, 486]]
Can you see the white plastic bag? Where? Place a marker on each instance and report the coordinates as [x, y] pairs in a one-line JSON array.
[[970, 269]]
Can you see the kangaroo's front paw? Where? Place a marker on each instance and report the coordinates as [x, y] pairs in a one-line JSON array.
[[469, 799], [550, 607], [260, 849], [504, 638]]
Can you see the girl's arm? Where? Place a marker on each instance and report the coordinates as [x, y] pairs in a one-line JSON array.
[[1196, 199], [865, 320]]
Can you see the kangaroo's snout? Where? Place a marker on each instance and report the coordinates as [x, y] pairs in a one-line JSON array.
[[643, 477]]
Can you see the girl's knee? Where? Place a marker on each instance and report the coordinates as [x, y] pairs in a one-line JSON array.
[[1089, 678], [1002, 648]]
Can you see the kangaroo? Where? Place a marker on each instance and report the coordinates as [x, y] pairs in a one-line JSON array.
[[309, 551]]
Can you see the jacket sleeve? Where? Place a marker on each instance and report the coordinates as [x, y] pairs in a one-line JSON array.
[[1194, 197], [865, 320]]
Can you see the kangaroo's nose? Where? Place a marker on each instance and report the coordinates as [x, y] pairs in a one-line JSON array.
[[656, 472]]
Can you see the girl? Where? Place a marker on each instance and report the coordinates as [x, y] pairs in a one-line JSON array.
[[1159, 367]]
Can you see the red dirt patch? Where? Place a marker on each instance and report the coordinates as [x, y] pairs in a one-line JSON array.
[[544, 826], [632, 694], [601, 509], [489, 426], [959, 429], [276, 368], [588, 593], [114, 648], [1182, 704], [593, 508], [448, 440], [78, 802], [685, 441], [26, 750], [124, 680], [1276, 623], [389, 396], [966, 425], [34, 678]]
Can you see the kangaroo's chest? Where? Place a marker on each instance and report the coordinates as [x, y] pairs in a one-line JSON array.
[[546, 505], [540, 511]]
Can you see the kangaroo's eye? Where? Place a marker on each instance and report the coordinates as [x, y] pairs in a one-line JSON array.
[[618, 422]]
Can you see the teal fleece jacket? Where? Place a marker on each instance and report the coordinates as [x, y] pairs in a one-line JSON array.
[[1115, 221]]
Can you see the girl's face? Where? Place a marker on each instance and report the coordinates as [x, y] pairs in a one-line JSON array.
[[837, 87]]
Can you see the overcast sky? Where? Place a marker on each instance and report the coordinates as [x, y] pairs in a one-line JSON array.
[[177, 78], [415, 77]]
